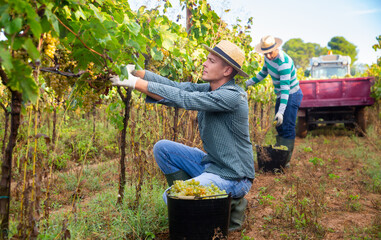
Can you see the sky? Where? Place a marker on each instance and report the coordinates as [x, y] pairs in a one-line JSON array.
[[314, 21]]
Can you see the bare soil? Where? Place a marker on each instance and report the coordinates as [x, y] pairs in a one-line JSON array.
[[334, 195]]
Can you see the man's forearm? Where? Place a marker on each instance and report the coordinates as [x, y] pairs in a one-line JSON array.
[[139, 73], [142, 86]]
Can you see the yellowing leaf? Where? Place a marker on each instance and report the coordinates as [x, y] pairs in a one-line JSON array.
[[169, 40]]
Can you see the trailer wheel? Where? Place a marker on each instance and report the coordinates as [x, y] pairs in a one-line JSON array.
[[360, 121], [301, 129]]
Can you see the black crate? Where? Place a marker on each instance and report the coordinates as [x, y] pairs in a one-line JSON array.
[[271, 159], [198, 219]]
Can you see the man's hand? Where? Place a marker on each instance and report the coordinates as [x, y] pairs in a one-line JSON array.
[[279, 119], [130, 82], [130, 69], [248, 84]]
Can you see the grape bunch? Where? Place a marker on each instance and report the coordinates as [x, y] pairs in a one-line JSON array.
[[51, 44], [281, 147], [193, 188], [60, 83]]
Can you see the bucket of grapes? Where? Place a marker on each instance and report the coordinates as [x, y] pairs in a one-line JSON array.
[[272, 158], [197, 212]]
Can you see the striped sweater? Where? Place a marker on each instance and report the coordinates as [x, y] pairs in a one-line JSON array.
[[283, 74]]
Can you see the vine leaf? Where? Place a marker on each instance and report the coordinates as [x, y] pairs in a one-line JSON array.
[[6, 59], [27, 86], [14, 26], [31, 49], [52, 18], [33, 21], [156, 54]]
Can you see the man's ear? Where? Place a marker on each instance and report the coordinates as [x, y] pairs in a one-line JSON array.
[[228, 70]]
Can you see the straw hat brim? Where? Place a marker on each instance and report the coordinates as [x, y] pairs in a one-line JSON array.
[[240, 72], [278, 42]]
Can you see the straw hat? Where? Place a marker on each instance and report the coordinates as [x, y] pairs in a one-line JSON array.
[[231, 54], [268, 44]]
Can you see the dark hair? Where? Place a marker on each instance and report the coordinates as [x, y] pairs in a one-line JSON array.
[[232, 75], [234, 72]]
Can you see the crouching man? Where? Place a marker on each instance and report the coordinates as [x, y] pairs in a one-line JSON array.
[[227, 156]]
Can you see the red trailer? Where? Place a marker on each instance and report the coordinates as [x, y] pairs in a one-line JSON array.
[[330, 101]]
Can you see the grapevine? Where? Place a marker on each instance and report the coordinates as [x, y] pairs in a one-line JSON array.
[[193, 188], [76, 47]]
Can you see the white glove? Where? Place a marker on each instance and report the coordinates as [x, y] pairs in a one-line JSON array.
[[279, 119], [130, 82], [130, 68]]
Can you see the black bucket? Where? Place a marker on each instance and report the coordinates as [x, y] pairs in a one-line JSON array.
[[198, 219], [271, 159]]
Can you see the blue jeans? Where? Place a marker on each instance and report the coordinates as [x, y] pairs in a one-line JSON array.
[[172, 157], [287, 129]]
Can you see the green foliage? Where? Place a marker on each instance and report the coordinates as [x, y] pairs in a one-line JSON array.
[[339, 45], [266, 199], [19, 16], [113, 111], [21, 80], [317, 161], [353, 202], [60, 161], [333, 176], [302, 52], [307, 149], [378, 44], [262, 92], [98, 37], [375, 71]]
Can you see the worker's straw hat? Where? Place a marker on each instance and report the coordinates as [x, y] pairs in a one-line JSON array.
[[268, 44], [231, 54]]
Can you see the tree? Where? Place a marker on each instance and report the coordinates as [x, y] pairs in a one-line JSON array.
[[302, 52], [376, 47], [339, 45]]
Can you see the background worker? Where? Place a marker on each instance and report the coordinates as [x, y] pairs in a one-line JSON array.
[[286, 86], [222, 120]]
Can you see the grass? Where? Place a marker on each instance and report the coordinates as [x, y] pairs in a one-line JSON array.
[[102, 218]]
